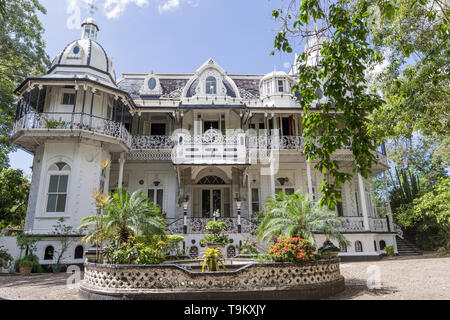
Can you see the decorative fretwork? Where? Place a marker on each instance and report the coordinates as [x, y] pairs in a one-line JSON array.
[[152, 142], [208, 180]]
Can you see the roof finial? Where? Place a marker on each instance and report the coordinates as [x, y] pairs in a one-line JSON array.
[[92, 8]]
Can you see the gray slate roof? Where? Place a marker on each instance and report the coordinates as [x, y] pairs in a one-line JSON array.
[[134, 85]]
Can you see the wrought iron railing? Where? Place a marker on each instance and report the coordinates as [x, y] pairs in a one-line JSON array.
[[72, 121], [198, 225]]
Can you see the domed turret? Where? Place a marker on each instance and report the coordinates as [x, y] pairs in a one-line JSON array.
[[87, 53]]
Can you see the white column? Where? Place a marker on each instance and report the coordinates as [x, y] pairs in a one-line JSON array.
[[363, 202], [272, 180], [249, 197], [308, 174], [121, 165]]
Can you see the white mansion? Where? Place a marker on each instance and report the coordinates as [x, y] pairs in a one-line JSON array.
[[213, 136]]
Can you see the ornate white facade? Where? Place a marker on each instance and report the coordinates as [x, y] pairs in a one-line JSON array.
[[211, 135]]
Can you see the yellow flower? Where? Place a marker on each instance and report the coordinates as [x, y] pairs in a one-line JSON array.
[[105, 163]]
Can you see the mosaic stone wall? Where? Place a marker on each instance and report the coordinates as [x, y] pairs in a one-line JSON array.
[[251, 276]]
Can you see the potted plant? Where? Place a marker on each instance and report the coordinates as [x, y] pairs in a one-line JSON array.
[[27, 264], [183, 200], [215, 239], [212, 260], [390, 251]]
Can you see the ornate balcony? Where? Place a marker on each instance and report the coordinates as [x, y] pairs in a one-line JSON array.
[[56, 122]]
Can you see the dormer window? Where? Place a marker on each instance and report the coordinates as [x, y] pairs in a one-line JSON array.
[[211, 85], [76, 50], [152, 83]]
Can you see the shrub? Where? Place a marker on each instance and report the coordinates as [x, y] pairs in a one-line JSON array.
[[29, 261], [214, 238], [293, 250], [442, 251], [134, 252], [248, 247], [216, 226], [390, 250]]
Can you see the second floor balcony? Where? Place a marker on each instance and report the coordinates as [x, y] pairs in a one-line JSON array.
[[211, 147]]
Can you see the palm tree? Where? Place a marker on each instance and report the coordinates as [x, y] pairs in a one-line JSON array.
[[126, 215], [297, 216]]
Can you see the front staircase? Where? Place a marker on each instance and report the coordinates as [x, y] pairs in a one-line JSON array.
[[406, 248]]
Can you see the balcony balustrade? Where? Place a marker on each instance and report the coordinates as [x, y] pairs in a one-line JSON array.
[[72, 121], [209, 148]]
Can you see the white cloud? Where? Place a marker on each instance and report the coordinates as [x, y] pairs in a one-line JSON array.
[[287, 65], [115, 8], [171, 5]]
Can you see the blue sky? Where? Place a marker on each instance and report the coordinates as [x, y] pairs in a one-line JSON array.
[[170, 36]]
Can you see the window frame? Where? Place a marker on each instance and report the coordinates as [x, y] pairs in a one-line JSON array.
[[208, 82], [154, 201], [66, 171]]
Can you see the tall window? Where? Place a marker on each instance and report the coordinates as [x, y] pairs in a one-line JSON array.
[[280, 86], [48, 254], [211, 85], [57, 188], [156, 196], [255, 200], [339, 206], [358, 246], [68, 98], [79, 250]]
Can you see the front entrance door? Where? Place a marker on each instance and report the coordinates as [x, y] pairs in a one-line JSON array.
[[211, 201]]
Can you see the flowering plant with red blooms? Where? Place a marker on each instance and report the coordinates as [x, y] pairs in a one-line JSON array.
[[293, 250]]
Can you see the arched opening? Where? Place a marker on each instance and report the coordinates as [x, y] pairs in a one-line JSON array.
[[382, 244], [79, 252], [343, 247], [48, 254], [358, 246]]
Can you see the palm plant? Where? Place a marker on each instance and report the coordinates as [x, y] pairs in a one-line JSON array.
[[126, 215], [296, 215]]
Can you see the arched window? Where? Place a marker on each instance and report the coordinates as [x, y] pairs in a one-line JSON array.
[[211, 85], [79, 251], [211, 180], [375, 245], [343, 247], [48, 254], [57, 187], [382, 244], [358, 246]]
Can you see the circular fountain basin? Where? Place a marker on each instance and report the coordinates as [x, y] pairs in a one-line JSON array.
[[184, 280]]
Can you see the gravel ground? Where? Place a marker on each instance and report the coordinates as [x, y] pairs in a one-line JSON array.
[[424, 277]]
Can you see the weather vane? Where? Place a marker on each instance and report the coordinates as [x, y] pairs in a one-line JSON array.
[[92, 7]]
